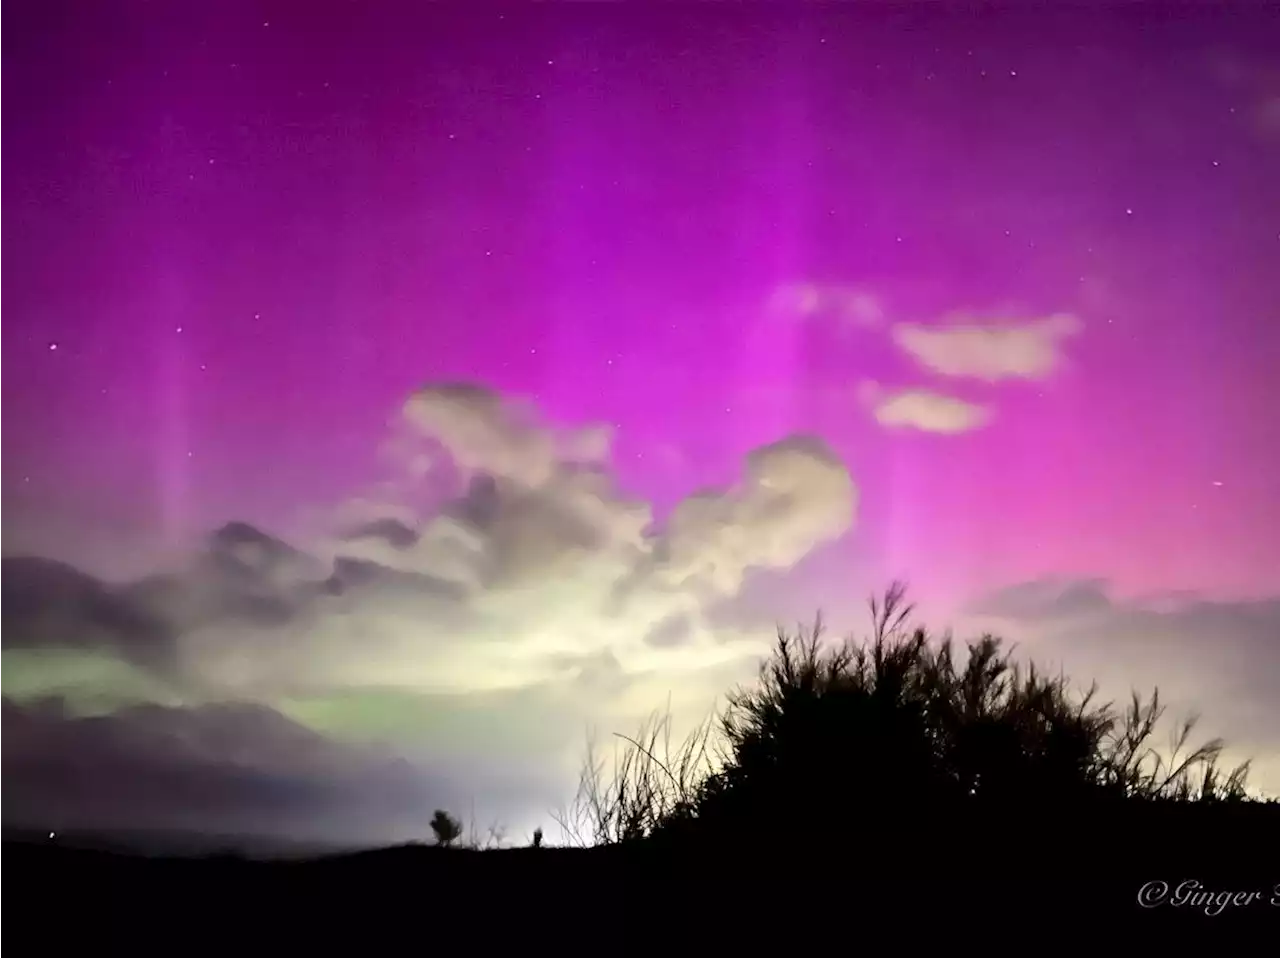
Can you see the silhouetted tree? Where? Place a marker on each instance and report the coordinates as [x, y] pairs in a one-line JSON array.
[[447, 828], [897, 727], [537, 837]]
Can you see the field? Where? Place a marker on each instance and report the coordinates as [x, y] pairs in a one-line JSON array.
[[938, 880]]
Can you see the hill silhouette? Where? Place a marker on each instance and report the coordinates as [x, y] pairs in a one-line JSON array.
[[897, 789]]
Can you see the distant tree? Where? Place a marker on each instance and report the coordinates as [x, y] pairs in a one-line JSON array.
[[537, 837], [447, 828]]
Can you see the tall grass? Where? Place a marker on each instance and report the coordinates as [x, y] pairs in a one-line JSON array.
[[650, 783]]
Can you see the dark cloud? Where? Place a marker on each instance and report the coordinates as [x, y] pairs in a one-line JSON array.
[[672, 631], [243, 577], [393, 532], [231, 768], [356, 575], [1046, 599], [1219, 658], [239, 576], [49, 604], [479, 507]]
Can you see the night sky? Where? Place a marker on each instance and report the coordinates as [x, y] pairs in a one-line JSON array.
[[543, 357]]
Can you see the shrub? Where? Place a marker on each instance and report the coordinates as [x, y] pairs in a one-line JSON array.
[[895, 727]]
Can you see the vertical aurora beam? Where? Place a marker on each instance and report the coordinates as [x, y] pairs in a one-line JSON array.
[[899, 492], [570, 186], [173, 442], [770, 384], [166, 300]]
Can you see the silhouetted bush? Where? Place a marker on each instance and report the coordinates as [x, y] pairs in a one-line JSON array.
[[892, 729], [447, 828]]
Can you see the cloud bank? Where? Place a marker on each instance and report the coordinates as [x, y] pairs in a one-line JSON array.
[[245, 766], [1216, 657], [491, 597]]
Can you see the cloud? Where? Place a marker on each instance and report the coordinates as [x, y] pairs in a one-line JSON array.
[[232, 768], [48, 604], [533, 509], [674, 630], [925, 410], [795, 495], [1216, 657], [960, 344], [482, 431], [965, 346], [505, 597], [849, 305], [1046, 599], [1257, 82]]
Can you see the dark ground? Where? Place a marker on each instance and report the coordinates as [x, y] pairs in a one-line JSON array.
[[1074, 884]]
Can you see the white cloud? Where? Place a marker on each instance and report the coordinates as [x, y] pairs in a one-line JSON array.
[[847, 304], [967, 346], [925, 410], [480, 431], [960, 344], [536, 584]]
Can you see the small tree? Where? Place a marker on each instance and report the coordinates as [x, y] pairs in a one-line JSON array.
[[537, 837], [447, 828]]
